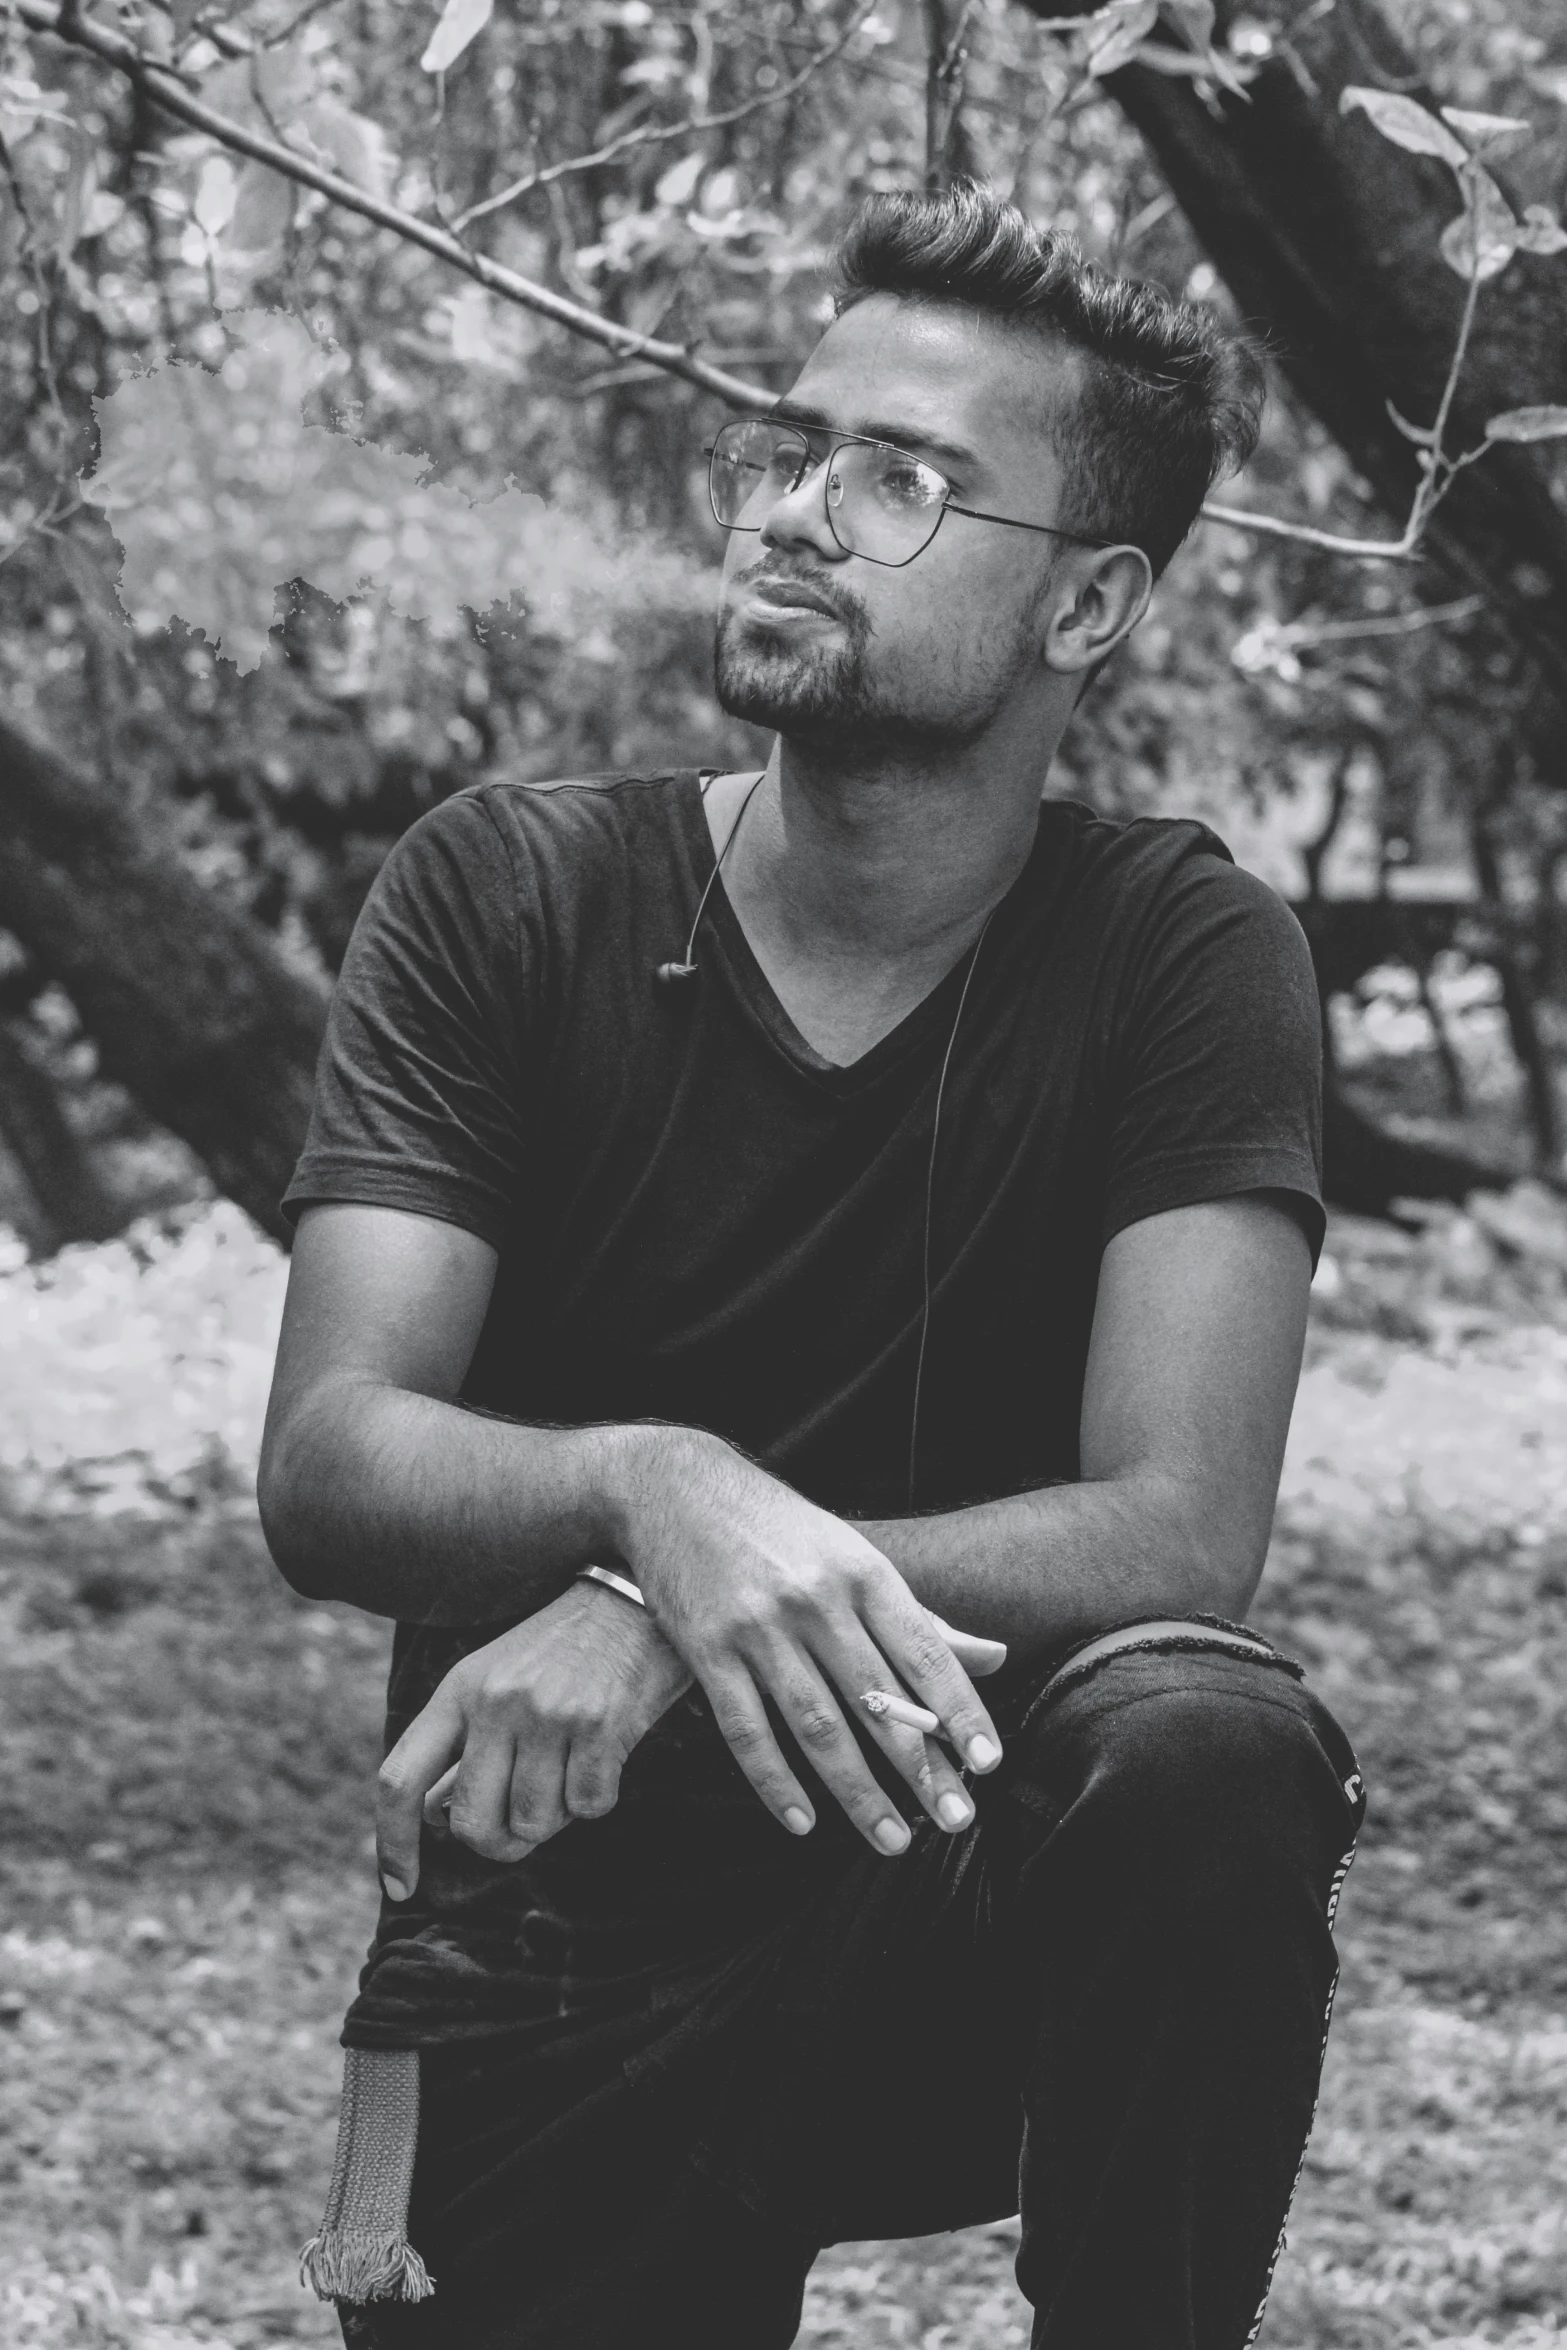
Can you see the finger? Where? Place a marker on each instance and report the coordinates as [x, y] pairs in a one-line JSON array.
[[593, 1778], [537, 1807], [930, 1773], [974, 1652], [414, 1765], [812, 1712], [915, 1645], [742, 1723], [481, 1798], [439, 1797], [904, 1732]]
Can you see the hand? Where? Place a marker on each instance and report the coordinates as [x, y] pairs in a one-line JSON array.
[[528, 1733], [766, 1596]]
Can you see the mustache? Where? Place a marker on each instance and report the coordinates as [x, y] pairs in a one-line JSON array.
[[844, 605]]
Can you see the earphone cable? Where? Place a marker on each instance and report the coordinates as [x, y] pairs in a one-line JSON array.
[[930, 1198], [718, 862]]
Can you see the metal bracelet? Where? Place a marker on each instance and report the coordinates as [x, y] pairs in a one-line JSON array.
[[621, 1583]]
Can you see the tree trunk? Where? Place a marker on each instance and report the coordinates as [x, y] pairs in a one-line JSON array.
[[191, 1005], [70, 1202], [1327, 237]]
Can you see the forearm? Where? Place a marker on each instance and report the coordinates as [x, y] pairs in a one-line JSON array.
[[1040, 1569], [412, 1507]]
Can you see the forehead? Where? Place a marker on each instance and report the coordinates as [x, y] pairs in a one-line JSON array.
[[942, 374]]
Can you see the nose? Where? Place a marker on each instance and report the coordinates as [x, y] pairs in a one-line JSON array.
[[800, 518]]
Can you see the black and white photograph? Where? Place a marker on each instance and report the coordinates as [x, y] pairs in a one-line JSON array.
[[783, 1175]]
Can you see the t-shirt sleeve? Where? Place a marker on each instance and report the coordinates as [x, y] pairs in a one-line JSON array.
[[420, 1098], [1217, 1070]]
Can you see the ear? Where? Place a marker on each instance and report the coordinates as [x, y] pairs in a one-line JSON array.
[[1102, 595]]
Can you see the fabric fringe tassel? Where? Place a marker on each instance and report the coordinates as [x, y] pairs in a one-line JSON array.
[[362, 2252]]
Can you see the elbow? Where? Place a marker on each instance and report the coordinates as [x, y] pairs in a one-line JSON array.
[[1216, 1566], [1223, 1572], [291, 1515]]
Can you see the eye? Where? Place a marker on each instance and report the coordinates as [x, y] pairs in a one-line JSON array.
[[903, 481]]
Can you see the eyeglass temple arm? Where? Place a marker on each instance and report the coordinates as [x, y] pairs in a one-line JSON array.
[[1011, 522]]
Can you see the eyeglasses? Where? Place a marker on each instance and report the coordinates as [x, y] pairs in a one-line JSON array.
[[882, 503]]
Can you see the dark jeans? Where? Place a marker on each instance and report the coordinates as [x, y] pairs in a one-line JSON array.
[[1104, 2005]]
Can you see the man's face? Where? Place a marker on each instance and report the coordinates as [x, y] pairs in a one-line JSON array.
[[927, 654]]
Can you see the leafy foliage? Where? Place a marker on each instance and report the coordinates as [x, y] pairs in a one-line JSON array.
[[681, 173], [221, 493]]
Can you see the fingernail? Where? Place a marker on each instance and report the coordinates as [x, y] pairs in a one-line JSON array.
[[393, 1887], [797, 1822], [982, 1752], [892, 1835], [953, 1812]]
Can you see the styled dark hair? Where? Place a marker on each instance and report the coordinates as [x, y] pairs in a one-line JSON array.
[[1169, 402]]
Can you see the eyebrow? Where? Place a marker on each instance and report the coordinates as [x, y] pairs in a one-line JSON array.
[[900, 436]]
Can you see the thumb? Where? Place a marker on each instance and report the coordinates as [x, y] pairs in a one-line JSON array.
[[432, 1741]]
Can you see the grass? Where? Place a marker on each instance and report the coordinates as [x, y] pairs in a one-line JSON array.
[[186, 1755]]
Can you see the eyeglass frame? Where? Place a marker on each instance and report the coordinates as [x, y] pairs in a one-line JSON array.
[[844, 440]]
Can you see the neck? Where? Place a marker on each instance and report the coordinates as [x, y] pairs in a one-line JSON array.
[[878, 860]]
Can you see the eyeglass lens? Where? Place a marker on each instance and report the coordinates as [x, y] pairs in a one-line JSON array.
[[881, 502]]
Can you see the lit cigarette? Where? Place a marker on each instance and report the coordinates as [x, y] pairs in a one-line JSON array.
[[888, 1708]]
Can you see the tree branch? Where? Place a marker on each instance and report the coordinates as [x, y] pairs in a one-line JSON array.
[[165, 89], [657, 133], [168, 92]]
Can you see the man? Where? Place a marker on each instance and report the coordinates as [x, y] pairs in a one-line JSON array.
[[867, 1212]]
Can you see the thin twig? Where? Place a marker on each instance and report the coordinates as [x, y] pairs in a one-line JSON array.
[[1274, 526], [1438, 471], [42, 293], [166, 91], [1299, 635], [656, 134]]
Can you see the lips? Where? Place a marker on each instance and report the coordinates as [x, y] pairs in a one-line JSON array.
[[792, 595]]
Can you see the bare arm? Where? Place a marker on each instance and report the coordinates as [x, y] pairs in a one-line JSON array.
[[1196, 1350], [375, 1487]]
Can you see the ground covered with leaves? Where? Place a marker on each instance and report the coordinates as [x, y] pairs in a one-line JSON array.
[[185, 1752]]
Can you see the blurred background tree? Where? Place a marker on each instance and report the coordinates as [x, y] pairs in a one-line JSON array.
[[191, 809]]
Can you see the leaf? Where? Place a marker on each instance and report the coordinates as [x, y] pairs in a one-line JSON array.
[[1528, 424], [265, 91], [1495, 133], [81, 185], [1540, 231], [1484, 237], [1406, 123], [1194, 18], [102, 213], [1114, 33], [462, 21], [351, 143], [216, 190], [677, 186], [1421, 435], [263, 210], [1214, 65]]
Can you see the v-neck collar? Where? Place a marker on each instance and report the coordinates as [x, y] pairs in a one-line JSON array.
[[727, 944]]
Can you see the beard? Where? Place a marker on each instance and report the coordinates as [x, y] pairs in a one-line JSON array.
[[767, 677], [829, 696]]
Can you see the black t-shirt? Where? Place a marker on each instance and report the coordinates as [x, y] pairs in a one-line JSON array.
[[700, 1220]]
